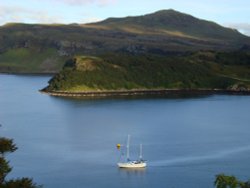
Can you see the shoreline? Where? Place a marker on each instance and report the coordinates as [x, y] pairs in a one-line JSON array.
[[30, 73], [145, 92]]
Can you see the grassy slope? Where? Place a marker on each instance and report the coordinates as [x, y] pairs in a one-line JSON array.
[[24, 60], [234, 65], [171, 21], [43, 48], [123, 71]]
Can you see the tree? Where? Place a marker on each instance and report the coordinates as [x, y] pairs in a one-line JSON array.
[[4, 169], [7, 146], [245, 184], [20, 183], [223, 181]]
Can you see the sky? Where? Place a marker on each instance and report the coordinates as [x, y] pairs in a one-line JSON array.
[[229, 13]]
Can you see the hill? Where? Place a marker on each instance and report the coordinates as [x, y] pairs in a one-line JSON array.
[[173, 23], [37, 48], [200, 70]]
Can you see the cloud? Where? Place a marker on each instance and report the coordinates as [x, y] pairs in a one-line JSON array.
[[90, 20], [241, 27], [84, 2], [20, 14]]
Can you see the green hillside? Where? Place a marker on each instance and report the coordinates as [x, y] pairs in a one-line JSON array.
[[43, 48], [204, 70], [23, 60], [175, 23]]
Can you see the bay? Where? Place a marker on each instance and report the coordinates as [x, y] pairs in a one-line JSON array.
[[65, 142]]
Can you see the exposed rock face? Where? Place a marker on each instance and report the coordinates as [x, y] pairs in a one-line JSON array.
[[239, 87], [86, 64]]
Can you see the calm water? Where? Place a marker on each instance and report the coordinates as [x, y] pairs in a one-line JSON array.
[[70, 143]]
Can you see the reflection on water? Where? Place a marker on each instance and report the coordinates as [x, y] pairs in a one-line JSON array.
[[135, 177], [139, 97], [138, 172]]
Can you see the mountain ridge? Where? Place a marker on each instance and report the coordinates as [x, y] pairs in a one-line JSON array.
[[171, 20], [44, 48]]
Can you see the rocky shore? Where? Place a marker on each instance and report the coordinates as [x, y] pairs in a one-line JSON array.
[[141, 92]]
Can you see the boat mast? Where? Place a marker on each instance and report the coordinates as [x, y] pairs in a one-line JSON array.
[[128, 147], [140, 156]]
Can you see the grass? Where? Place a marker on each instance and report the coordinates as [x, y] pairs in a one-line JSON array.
[[26, 60]]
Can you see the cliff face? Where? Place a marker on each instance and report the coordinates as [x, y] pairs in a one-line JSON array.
[[44, 48]]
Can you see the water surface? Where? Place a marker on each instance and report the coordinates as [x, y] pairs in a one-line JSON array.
[[67, 142]]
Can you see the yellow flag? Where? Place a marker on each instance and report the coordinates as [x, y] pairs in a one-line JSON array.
[[118, 146]]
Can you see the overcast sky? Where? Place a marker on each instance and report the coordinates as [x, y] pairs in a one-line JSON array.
[[230, 13]]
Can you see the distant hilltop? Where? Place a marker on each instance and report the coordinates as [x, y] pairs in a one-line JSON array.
[[40, 48]]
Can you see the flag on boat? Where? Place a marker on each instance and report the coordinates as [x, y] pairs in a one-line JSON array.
[[118, 146]]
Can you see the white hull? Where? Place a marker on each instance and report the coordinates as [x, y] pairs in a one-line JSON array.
[[132, 164], [140, 163]]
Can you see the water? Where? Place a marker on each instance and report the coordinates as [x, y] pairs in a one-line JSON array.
[[70, 143]]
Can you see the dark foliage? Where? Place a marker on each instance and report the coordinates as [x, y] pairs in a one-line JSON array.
[[114, 71], [224, 181], [7, 146]]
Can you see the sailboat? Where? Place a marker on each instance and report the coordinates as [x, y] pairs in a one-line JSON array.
[[140, 163]]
